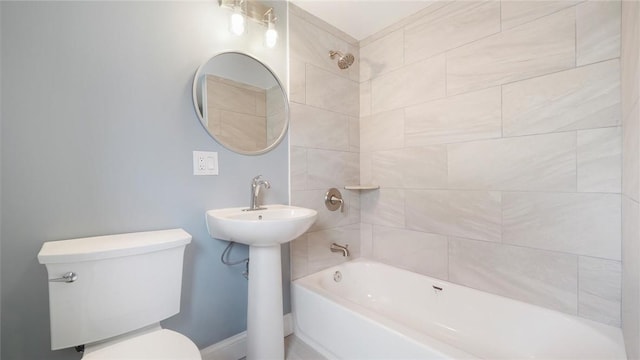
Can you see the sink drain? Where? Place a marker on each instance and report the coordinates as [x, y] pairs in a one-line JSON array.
[[337, 276]]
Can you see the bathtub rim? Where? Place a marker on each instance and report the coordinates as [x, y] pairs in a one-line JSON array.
[[310, 283], [362, 313]]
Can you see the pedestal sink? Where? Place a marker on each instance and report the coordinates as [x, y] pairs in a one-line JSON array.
[[263, 230]]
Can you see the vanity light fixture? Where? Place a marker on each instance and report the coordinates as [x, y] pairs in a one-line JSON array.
[[237, 21], [254, 10], [271, 35]]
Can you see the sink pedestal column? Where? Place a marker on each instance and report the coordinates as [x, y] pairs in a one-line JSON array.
[[265, 336]]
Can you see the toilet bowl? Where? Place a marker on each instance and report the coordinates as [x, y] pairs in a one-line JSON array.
[[109, 293]]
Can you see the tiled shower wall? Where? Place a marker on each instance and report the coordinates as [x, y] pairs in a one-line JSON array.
[[630, 67], [324, 139], [494, 130]]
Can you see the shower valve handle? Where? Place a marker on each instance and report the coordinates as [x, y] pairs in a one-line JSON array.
[[333, 200]]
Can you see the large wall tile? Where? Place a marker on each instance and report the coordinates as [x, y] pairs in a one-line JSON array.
[[600, 160], [450, 26], [366, 240], [354, 134], [540, 277], [469, 214], [329, 169], [597, 31], [424, 167], [383, 207], [320, 255], [631, 154], [581, 98], [412, 250], [631, 276], [419, 167], [313, 127], [471, 116], [516, 13], [599, 290], [412, 84], [382, 131], [314, 199], [387, 168], [299, 258], [583, 224], [382, 56], [365, 98], [630, 64], [297, 81], [311, 43], [298, 168], [366, 167], [541, 162], [540, 47], [332, 92], [630, 55]]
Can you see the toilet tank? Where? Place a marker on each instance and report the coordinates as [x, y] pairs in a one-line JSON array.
[[124, 282]]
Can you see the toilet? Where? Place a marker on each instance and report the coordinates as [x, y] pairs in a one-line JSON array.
[[109, 294]]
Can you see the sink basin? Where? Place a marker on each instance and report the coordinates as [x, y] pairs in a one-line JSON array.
[[274, 225]]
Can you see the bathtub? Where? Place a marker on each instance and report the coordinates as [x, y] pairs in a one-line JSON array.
[[367, 310]]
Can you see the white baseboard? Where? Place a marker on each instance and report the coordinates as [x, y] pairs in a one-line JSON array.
[[235, 347]]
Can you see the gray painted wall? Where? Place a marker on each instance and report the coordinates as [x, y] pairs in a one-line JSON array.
[[97, 133], [0, 180]]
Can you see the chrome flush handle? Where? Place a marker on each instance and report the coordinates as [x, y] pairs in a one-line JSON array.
[[66, 278]]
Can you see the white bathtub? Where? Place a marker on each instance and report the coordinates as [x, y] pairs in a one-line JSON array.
[[380, 312]]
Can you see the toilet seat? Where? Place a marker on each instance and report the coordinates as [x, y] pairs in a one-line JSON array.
[[157, 344]]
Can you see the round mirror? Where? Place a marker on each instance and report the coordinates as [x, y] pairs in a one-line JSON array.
[[241, 103]]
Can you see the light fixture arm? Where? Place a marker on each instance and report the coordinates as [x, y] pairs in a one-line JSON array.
[[269, 18]]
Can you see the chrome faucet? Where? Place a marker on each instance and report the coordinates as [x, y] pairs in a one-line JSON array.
[[256, 183], [344, 249]]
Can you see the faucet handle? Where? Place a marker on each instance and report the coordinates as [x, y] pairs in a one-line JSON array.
[[333, 200], [258, 180]]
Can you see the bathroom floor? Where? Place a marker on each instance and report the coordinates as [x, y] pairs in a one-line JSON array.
[[296, 349]]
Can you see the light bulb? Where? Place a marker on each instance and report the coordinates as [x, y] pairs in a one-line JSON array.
[[271, 35], [236, 24]]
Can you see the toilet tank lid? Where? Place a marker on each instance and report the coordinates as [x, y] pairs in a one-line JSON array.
[[110, 246]]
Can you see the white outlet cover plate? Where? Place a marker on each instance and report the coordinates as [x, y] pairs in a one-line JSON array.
[[205, 163]]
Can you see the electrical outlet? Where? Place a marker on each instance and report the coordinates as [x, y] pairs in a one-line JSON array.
[[205, 163]]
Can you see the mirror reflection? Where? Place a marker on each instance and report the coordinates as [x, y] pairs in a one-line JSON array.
[[241, 103]]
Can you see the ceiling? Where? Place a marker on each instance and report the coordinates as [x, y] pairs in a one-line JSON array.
[[361, 18]]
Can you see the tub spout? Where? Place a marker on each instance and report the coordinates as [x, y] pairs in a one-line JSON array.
[[344, 249]]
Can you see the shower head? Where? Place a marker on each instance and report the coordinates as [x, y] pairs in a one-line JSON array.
[[344, 60]]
